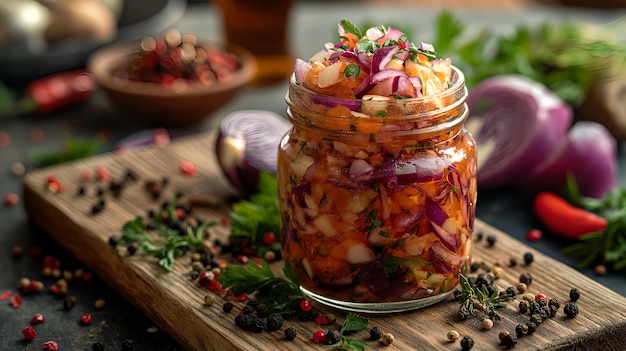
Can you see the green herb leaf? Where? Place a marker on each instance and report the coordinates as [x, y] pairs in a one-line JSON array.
[[353, 323], [349, 27], [251, 218], [279, 294], [352, 70], [72, 149]]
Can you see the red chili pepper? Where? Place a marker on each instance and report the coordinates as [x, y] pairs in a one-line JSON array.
[[5, 295], [565, 219], [57, 91]]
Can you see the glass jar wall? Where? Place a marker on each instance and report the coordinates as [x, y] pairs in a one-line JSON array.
[[377, 197]]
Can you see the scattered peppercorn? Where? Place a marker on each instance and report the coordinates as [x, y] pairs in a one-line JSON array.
[[528, 258], [274, 321], [114, 240], [467, 343], [29, 333], [571, 310], [98, 346], [474, 267], [508, 340], [86, 319], [387, 339], [513, 262], [521, 288], [333, 337], [487, 323], [531, 328], [491, 240], [69, 302], [453, 335], [600, 269], [258, 325], [526, 278], [376, 333], [498, 272], [319, 336], [51, 346], [524, 306], [209, 299], [128, 345], [227, 307], [574, 295], [464, 313], [521, 329], [37, 319], [11, 199], [98, 207], [479, 236], [290, 333]]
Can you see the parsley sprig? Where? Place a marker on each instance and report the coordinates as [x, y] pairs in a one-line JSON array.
[[257, 215], [281, 295], [168, 244], [477, 299], [352, 323]]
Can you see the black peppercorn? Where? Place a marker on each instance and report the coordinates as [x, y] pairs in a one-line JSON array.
[[521, 329], [98, 207], [274, 321], [479, 236], [261, 310], [513, 262], [244, 321], [474, 267], [227, 307], [554, 302], [531, 327], [81, 190], [464, 313], [290, 333], [526, 278], [467, 343], [98, 346], [247, 309], [511, 291], [570, 310], [491, 240], [333, 337], [574, 295], [376, 333], [258, 325], [528, 258], [132, 248], [509, 340], [128, 345], [113, 240]]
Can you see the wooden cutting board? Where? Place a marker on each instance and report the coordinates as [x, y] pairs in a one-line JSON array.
[[175, 302]]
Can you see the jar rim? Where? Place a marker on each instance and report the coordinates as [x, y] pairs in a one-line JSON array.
[[458, 84]]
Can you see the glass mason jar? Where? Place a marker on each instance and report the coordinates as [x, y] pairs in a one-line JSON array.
[[377, 197]]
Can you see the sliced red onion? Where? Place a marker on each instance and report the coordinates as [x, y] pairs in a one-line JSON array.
[[382, 57], [247, 144], [417, 85], [426, 47], [588, 153], [516, 123], [360, 170], [434, 212], [301, 67], [448, 240], [394, 33]]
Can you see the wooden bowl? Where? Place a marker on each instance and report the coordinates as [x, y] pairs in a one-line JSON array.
[[165, 106]]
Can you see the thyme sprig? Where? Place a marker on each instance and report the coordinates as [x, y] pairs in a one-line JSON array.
[[477, 299], [280, 295]]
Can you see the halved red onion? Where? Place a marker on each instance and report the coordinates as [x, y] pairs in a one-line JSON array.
[[382, 57], [516, 123], [588, 153], [247, 144]]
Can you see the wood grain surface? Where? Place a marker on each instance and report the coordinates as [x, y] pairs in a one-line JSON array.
[[175, 302]]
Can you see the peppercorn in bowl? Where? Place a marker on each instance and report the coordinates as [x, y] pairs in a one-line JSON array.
[[174, 80]]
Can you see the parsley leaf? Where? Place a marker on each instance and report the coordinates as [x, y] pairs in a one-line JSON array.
[[349, 27], [279, 294], [352, 70], [251, 218]]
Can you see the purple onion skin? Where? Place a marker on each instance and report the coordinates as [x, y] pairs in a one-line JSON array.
[[536, 123], [262, 132], [588, 153]]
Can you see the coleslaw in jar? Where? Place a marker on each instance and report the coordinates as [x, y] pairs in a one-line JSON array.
[[377, 178]]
